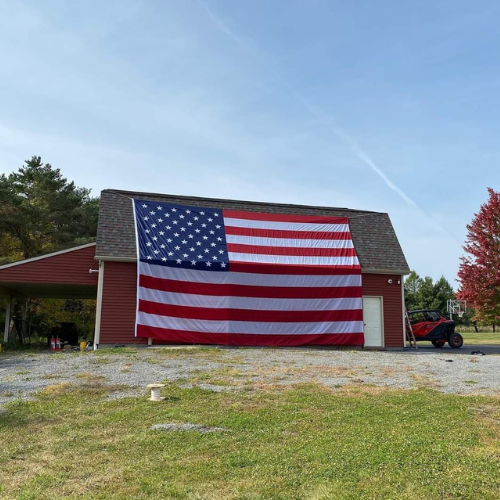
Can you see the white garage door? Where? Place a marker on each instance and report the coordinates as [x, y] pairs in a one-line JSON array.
[[372, 318]]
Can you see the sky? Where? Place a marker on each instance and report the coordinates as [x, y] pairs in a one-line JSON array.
[[385, 106]]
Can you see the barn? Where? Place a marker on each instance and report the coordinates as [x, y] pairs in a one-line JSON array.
[[108, 269]]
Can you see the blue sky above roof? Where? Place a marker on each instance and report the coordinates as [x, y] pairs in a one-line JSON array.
[[386, 106]]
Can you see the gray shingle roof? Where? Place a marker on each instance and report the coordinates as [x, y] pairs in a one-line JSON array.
[[374, 238]]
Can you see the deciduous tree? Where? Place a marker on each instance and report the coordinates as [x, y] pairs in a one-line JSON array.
[[479, 272]]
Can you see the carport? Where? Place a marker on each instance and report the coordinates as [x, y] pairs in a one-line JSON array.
[[67, 274]]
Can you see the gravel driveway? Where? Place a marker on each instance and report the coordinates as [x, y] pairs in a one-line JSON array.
[[127, 373]]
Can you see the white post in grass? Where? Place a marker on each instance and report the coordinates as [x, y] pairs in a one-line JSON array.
[[156, 392]]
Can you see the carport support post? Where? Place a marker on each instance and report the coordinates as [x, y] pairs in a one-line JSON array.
[[8, 314]]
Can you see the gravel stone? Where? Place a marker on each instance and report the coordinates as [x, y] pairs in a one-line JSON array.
[[22, 375]]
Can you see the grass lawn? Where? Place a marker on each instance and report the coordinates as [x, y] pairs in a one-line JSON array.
[[304, 442], [472, 338]]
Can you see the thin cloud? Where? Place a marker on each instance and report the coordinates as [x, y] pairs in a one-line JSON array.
[[354, 147], [339, 133], [221, 25], [363, 156], [345, 138]]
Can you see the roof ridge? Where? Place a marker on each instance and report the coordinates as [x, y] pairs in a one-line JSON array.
[[373, 235], [230, 200]]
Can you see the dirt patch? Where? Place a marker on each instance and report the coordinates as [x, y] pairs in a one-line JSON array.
[[89, 386], [489, 414], [175, 427], [360, 390], [424, 382], [89, 376], [56, 389]]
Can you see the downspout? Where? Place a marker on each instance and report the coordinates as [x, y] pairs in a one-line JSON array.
[[100, 286]]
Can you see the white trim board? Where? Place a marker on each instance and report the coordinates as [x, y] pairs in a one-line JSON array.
[[108, 258], [384, 271], [115, 259], [403, 312], [98, 310]]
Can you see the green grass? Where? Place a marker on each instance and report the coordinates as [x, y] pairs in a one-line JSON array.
[[301, 443], [481, 338]]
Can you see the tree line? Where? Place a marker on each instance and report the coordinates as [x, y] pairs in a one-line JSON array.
[[423, 293], [42, 212]]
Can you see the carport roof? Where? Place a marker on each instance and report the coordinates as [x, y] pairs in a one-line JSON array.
[[64, 274]]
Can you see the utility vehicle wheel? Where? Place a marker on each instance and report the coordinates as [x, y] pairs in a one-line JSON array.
[[438, 343], [455, 340]]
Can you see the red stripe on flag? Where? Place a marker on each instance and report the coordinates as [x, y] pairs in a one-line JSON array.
[[279, 233], [249, 290], [293, 269], [313, 219], [183, 337], [216, 314], [297, 251]]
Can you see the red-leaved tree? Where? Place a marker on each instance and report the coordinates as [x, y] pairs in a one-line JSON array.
[[479, 272]]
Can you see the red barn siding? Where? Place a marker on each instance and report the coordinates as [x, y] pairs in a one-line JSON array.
[[377, 285], [69, 268], [118, 304]]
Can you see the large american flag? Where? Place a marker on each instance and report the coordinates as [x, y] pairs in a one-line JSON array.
[[211, 276]]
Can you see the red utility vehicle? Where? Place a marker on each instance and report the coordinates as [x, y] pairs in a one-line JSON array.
[[429, 324]]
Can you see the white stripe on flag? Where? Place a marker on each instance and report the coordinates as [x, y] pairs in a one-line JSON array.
[[248, 327], [287, 242], [293, 259], [286, 226], [250, 303], [253, 279]]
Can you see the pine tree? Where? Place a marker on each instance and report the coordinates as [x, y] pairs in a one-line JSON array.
[[442, 292], [411, 285], [40, 211], [423, 293]]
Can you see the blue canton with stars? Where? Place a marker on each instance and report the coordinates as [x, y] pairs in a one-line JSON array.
[[181, 236]]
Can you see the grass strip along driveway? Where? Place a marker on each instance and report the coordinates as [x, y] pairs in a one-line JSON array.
[[481, 338], [298, 442]]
